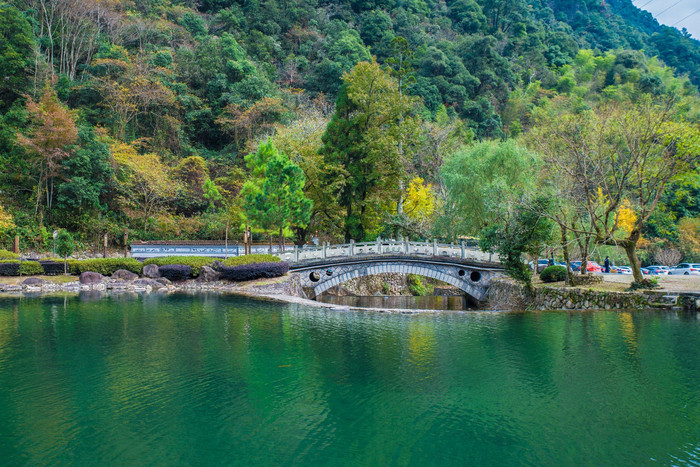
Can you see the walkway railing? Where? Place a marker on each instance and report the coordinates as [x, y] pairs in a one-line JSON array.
[[386, 247]]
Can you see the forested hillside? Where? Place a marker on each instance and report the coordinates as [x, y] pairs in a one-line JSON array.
[[139, 115]]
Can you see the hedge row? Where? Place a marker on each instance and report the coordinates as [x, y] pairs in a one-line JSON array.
[[249, 272], [250, 259], [52, 268], [12, 268], [104, 266], [239, 268], [194, 262]]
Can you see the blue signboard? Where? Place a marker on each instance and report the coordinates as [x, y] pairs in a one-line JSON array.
[[218, 251]]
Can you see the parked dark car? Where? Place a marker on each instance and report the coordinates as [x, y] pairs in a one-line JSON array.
[[541, 264], [656, 270]]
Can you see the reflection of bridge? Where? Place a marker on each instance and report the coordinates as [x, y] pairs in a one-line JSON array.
[[472, 277]]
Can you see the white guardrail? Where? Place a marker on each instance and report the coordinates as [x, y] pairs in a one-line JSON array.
[[386, 247]]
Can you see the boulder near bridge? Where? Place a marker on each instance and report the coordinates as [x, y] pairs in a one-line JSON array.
[[322, 267]]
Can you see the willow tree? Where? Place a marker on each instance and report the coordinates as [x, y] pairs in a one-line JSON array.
[[480, 181], [366, 145], [615, 152]]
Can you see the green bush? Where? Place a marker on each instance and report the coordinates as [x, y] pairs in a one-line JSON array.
[[104, 266], [13, 268], [31, 268], [418, 287], [553, 274], [195, 262], [250, 259], [645, 284], [4, 254]]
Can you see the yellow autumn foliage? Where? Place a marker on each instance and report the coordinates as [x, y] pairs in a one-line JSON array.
[[146, 180], [627, 217], [420, 200]]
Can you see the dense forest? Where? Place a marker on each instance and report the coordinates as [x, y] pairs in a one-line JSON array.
[[353, 119]]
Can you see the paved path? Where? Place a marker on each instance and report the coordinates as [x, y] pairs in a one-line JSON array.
[[670, 283]]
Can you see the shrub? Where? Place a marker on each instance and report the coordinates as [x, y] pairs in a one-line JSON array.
[[52, 268], [104, 266], [195, 262], [9, 268], [418, 287], [12, 268], [553, 274], [31, 268], [250, 259], [249, 272], [4, 254], [386, 288], [175, 272], [645, 284]]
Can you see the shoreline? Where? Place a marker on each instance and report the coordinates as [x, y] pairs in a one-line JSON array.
[[286, 289]]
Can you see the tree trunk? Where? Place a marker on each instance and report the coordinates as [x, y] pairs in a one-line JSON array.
[[270, 243], [584, 255], [300, 234], [565, 251], [630, 246], [280, 240], [226, 239], [348, 216]]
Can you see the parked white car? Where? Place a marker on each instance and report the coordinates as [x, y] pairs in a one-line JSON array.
[[686, 269]]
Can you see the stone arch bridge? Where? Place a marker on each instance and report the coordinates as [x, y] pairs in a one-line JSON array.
[[472, 277]]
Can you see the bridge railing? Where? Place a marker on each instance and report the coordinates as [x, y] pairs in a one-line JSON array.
[[386, 247], [307, 253]]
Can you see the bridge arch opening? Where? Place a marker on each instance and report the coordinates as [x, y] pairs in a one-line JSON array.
[[473, 298], [462, 278]]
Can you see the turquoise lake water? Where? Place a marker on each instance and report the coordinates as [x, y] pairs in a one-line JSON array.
[[219, 380]]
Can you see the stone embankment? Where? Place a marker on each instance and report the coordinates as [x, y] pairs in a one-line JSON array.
[[127, 282], [506, 294]]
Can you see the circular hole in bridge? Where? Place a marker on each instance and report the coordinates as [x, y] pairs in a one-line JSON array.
[[461, 272], [329, 272], [475, 276], [314, 277]]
